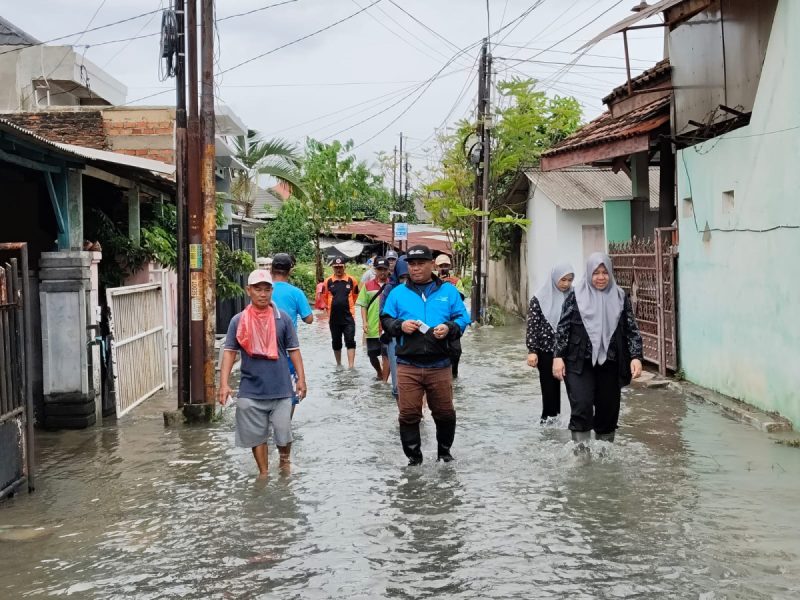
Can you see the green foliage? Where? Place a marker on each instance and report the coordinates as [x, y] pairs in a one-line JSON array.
[[274, 157], [337, 189], [528, 124], [290, 232], [231, 263], [303, 277]]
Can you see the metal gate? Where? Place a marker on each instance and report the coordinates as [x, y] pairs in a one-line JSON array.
[[140, 357], [16, 398], [645, 269]]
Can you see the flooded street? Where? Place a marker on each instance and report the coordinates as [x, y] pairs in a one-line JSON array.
[[687, 504]]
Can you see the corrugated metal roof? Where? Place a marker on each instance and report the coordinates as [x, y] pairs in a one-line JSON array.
[[631, 20], [431, 236], [116, 158], [11, 35], [266, 199], [584, 188]]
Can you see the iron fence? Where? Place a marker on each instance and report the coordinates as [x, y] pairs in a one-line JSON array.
[[16, 400], [645, 269]]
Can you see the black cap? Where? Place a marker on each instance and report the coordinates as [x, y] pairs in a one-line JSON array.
[[381, 263], [336, 262], [419, 252], [282, 262]]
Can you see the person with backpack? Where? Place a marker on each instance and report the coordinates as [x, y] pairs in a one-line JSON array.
[[368, 300]]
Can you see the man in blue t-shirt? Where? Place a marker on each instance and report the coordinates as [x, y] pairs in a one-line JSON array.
[[289, 299], [267, 342]]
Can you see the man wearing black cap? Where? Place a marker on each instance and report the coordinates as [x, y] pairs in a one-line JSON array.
[[340, 294], [425, 315], [291, 300]]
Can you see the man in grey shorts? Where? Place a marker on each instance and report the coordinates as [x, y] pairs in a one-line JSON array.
[[265, 336]]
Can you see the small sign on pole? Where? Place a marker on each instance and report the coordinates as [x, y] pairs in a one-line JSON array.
[[400, 231]]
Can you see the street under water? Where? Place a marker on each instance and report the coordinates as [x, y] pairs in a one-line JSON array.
[[687, 504]]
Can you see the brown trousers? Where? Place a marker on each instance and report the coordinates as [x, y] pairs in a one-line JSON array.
[[413, 383]]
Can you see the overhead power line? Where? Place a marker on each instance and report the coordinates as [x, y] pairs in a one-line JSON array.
[[81, 33], [300, 39]]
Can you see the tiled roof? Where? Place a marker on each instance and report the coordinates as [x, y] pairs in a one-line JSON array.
[[660, 72], [11, 35], [607, 128], [584, 187]]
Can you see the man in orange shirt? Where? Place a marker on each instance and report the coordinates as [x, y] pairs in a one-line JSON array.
[[340, 294]]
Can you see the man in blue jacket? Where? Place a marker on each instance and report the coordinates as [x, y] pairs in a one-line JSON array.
[[425, 315]]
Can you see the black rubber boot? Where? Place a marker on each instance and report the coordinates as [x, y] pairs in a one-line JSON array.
[[412, 444], [445, 434]]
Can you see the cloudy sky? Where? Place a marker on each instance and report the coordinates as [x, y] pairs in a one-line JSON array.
[[369, 77]]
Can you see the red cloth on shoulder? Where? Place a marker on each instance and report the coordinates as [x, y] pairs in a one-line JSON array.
[[257, 332]]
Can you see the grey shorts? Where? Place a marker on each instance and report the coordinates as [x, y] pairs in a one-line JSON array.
[[253, 418]]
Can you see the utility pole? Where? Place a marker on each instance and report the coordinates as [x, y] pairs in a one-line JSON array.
[[477, 228], [487, 149], [394, 180], [208, 187], [195, 205], [405, 202], [180, 202], [399, 187]]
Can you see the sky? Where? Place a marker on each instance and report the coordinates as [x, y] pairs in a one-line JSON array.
[[368, 78]]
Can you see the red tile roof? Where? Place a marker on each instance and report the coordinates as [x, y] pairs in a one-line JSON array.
[[660, 73], [606, 128], [382, 232]]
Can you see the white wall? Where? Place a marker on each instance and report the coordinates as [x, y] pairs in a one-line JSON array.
[[555, 235]]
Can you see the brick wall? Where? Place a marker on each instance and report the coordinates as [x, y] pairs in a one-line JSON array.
[[81, 128], [145, 132]]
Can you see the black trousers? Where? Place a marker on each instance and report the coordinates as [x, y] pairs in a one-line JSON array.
[[345, 327], [551, 387], [594, 396]]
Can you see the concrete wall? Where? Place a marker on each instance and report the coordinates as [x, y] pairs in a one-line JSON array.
[[555, 236], [739, 290], [508, 280]]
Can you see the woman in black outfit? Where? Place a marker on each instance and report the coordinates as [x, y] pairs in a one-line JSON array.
[[597, 350], [543, 314]]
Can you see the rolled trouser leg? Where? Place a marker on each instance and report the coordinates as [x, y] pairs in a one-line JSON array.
[[412, 443]]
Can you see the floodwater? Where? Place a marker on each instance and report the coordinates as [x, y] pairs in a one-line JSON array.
[[687, 504]]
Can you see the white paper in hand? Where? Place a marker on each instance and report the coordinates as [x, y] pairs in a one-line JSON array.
[[423, 328]]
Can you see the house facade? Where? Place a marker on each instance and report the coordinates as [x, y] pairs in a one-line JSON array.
[[739, 218], [568, 222]]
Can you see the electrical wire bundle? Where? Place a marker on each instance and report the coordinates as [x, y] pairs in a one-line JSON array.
[[168, 60]]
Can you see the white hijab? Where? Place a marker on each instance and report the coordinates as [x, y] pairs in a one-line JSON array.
[[600, 310], [550, 298]]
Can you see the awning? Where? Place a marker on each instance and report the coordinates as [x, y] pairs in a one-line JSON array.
[[635, 18], [608, 137]]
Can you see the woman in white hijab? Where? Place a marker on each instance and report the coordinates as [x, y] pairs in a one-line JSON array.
[[597, 351], [543, 314]]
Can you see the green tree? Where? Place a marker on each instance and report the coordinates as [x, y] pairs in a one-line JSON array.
[[337, 188], [528, 124], [290, 232], [274, 157]]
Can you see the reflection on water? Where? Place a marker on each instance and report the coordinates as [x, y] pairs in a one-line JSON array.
[[687, 504]]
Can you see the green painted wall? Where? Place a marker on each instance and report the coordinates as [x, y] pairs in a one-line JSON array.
[[739, 290], [617, 219]]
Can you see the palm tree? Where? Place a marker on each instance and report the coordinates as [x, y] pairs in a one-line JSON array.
[[274, 157]]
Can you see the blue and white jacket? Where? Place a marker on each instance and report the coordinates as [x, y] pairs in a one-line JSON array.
[[434, 303]]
